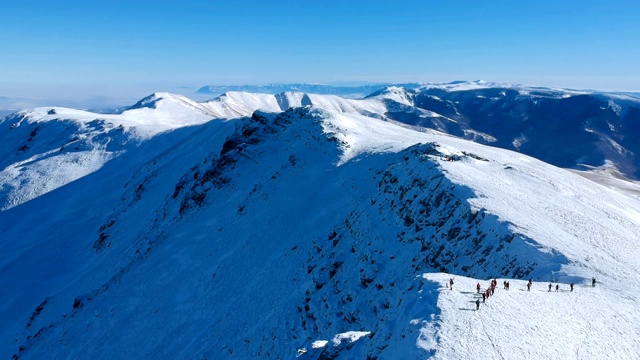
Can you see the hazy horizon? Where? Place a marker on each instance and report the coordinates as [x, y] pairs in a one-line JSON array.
[[84, 99], [71, 50]]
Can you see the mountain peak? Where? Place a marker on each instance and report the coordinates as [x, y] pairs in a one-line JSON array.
[[152, 100]]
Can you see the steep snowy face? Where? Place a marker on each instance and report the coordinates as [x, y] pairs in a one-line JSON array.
[[305, 232]]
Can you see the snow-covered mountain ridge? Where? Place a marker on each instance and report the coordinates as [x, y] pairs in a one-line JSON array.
[[294, 219]]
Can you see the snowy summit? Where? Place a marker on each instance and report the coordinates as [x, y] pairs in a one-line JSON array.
[[298, 225]]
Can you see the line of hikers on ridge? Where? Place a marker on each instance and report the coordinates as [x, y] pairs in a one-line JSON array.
[[492, 288]]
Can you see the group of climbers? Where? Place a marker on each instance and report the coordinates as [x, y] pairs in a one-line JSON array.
[[492, 287], [557, 286], [452, 157], [488, 292]]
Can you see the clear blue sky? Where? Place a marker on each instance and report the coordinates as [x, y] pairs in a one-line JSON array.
[[87, 48]]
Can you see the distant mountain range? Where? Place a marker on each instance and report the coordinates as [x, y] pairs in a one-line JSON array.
[[348, 91], [344, 91]]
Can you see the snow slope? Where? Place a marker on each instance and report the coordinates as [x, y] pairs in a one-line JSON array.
[[309, 232], [538, 324]]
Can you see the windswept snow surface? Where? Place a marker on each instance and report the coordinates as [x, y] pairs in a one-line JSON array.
[[312, 228]]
